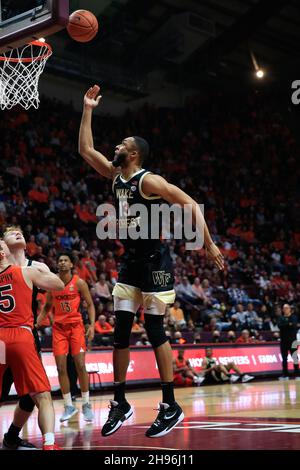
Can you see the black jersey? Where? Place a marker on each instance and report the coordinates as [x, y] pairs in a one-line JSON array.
[[128, 193], [210, 362]]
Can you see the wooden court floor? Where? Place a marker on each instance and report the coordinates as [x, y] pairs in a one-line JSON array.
[[258, 415]]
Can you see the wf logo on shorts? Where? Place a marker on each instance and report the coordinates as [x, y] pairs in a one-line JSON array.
[[161, 278]]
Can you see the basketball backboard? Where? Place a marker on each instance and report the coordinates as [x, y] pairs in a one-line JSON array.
[[23, 21]]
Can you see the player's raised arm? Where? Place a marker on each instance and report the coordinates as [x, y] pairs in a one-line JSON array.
[[44, 280], [155, 184], [40, 266], [86, 144]]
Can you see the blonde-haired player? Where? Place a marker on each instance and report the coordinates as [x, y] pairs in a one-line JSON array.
[[15, 248], [17, 345]]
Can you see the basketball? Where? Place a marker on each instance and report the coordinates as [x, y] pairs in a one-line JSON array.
[[82, 26]]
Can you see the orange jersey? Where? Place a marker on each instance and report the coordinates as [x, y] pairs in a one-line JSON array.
[[66, 303], [180, 363], [15, 299]]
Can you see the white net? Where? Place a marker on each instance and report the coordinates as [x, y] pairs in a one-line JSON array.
[[20, 70]]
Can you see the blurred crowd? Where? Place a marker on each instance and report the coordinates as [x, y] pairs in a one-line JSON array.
[[237, 158]]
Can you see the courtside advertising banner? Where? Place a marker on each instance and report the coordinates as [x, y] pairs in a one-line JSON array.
[[261, 359]]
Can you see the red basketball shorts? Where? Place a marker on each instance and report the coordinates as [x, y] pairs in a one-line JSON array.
[[68, 336], [18, 352]]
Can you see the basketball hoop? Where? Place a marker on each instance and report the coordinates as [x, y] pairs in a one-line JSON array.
[[20, 70]]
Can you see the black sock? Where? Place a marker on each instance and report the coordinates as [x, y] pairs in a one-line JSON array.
[[168, 392], [12, 433], [119, 392]]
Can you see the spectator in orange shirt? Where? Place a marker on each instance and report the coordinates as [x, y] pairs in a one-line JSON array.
[[234, 231], [285, 287], [82, 271], [102, 326], [248, 235], [38, 196], [31, 247], [278, 244], [290, 259], [177, 313], [245, 338], [110, 263], [84, 214], [113, 276], [137, 326], [60, 230], [90, 264]]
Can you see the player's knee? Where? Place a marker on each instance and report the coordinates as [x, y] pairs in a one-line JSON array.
[[61, 369], [80, 367], [123, 327], [26, 403], [154, 326], [42, 399]]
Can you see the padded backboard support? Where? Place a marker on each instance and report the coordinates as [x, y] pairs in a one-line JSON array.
[[30, 20]]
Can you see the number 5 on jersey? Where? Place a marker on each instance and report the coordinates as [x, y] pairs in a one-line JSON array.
[[7, 301]]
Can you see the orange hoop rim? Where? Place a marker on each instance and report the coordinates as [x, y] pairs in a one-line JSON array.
[[30, 59]]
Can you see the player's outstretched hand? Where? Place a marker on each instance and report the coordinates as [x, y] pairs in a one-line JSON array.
[[213, 252], [91, 98]]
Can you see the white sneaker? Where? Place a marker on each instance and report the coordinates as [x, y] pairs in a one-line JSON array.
[[283, 378], [68, 413], [297, 378], [224, 378], [234, 378], [199, 380], [247, 378]]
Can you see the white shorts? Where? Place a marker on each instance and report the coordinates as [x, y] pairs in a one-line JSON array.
[[129, 298]]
